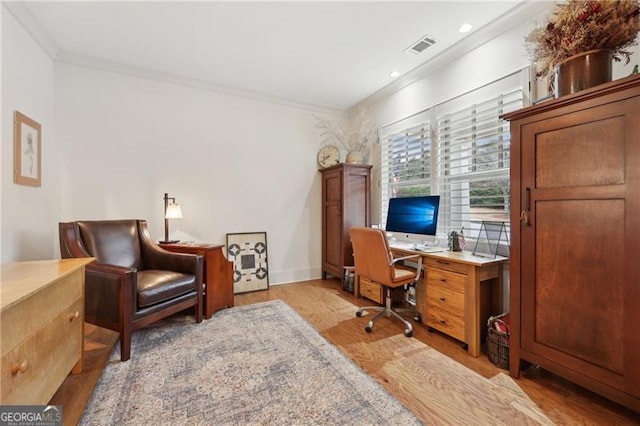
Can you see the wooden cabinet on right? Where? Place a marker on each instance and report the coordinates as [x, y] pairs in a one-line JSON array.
[[575, 223]]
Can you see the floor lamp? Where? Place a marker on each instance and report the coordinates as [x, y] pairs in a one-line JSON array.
[[172, 210]]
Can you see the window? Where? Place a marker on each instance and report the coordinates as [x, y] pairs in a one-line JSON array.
[[406, 164], [473, 164], [459, 150]]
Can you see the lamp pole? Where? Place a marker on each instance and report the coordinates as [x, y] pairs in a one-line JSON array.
[[166, 220]]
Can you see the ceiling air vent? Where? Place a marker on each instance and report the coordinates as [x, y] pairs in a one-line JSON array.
[[420, 45]]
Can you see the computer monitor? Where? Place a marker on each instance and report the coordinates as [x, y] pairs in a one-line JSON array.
[[413, 219]]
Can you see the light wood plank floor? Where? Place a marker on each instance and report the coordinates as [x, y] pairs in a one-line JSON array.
[[332, 312]]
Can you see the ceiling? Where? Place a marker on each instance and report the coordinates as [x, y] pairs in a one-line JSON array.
[[325, 54]]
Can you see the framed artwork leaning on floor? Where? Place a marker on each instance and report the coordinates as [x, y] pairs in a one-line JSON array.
[[248, 252]]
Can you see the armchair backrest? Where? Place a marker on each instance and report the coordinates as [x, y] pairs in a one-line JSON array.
[[372, 255], [113, 242]]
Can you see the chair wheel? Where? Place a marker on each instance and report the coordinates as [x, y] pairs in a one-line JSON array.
[[368, 329], [408, 332], [358, 313]]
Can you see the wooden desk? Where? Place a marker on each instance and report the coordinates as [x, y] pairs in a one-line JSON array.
[[218, 274], [42, 327], [458, 294]]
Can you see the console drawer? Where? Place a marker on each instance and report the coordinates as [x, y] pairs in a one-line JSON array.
[[51, 351], [371, 290]]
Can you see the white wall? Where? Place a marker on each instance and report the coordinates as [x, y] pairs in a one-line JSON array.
[[234, 164], [28, 228]]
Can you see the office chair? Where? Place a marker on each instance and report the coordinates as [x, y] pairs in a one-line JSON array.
[[374, 261]]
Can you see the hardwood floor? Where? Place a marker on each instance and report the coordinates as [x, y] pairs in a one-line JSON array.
[[332, 312]]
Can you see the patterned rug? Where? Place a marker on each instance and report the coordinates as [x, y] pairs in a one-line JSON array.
[[255, 364]]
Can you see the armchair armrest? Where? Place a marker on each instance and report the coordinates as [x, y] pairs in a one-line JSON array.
[[155, 257], [109, 292]]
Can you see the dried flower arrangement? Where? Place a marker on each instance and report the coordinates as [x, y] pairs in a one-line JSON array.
[[355, 133], [578, 26]]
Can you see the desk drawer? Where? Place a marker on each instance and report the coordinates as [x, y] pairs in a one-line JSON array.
[[446, 280], [446, 322], [446, 300], [447, 265], [50, 352], [371, 290]]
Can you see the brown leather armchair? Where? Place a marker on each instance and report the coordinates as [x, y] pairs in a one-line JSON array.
[[133, 281]]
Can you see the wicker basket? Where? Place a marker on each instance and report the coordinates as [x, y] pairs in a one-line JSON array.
[[498, 343]]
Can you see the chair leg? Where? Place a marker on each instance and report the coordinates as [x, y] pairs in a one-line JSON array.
[[385, 311], [125, 343]]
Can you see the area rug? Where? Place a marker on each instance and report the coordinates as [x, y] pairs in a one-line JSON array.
[[255, 364]]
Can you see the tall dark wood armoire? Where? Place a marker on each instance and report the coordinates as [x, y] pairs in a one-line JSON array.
[[346, 202], [575, 223]]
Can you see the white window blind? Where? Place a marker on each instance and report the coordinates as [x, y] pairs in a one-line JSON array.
[[473, 164], [406, 164]]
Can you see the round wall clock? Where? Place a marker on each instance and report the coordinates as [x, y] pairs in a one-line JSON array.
[[328, 156]]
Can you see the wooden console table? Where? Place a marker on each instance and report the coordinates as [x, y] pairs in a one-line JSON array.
[[218, 274], [459, 293], [42, 327]]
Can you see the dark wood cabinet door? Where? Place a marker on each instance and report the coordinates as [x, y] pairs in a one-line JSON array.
[[346, 202], [575, 283]]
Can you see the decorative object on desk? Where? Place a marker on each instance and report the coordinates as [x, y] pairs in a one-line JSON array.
[[27, 154], [453, 241], [489, 238], [602, 30], [356, 133], [248, 251], [461, 241], [635, 70], [329, 155], [172, 210]]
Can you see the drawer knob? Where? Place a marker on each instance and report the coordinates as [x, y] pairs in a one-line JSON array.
[[20, 368], [442, 298], [444, 280], [443, 322], [74, 316]]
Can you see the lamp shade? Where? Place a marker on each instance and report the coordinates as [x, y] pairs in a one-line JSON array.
[[173, 211]]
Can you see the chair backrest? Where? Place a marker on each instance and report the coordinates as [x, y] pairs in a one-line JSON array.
[[114, 242], [372, 256]]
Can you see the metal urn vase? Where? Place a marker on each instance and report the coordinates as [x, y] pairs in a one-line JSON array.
[[583, 71]]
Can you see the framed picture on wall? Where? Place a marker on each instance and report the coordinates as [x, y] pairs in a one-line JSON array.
[[248, 252], [27, 151]]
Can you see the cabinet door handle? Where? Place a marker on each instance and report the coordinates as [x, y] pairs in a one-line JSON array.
[[20, 368], [442, 262], [524, 214], [442, 298], [444, 280], [443, 322], [74, 316]]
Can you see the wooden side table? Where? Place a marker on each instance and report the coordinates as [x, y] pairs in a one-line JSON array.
[[218, 274]]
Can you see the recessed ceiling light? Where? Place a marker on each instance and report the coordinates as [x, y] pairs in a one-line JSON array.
[[465, 28], [394, 74]]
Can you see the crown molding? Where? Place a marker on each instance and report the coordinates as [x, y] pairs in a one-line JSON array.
[[23, 15], [516, 16], [145, 73]]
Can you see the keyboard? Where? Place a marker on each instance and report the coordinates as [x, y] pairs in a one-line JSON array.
[[402, 245]]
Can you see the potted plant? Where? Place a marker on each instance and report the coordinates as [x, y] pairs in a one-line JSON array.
[[580, 40]]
